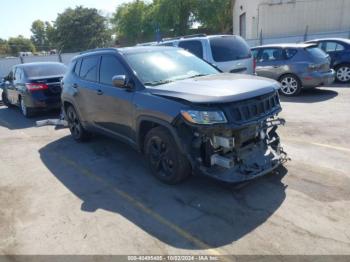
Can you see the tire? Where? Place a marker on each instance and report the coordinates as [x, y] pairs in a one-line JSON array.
[[342, 73], [291, 85], [5, 100], [164, 158], [27, 112], [76, 129]]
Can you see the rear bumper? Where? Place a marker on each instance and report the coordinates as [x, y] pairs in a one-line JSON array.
[[314, 79], [39, 101]]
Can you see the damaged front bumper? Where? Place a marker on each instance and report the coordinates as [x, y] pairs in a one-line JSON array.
[[234, 154]]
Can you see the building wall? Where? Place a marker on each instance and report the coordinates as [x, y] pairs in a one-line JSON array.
[[278, 18]]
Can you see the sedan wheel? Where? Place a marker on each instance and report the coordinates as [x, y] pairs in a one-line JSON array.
[[343, 74], [27, 112], [290, 85]]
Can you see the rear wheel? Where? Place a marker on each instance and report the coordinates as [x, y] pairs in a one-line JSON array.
[[26, 111], [75, 127], [291, 85], [166, 161], [342, 73], [5, 99]]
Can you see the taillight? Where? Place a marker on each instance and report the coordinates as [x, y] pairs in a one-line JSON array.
[[36, 86]]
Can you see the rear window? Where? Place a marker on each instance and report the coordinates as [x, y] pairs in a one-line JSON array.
[[228, 48], [45, 70], [314, 51]]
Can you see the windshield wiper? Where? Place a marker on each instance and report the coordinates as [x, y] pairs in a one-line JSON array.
[[160, 82]]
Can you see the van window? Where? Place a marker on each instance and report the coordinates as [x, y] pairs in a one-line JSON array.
[[195, 47], [88, 70], [110, 66], [229, 48]]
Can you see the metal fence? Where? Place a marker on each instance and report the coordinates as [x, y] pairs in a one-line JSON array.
[[7, 63]]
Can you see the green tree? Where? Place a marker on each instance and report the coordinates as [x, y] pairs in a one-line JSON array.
[[4, 47], [39, 37], [129, 21], [20, 44], [80, 29], [215, 15]]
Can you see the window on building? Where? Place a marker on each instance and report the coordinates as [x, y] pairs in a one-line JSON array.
[[242, 25], [193, 46]]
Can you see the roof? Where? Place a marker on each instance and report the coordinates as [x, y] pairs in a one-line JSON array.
[[345, 40], [287, 45], [126, 50], [38, 64]]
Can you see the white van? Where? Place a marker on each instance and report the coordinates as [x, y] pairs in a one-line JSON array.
[[230, 53]]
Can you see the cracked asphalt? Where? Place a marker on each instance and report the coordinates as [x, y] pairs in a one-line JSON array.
[[61, 197]]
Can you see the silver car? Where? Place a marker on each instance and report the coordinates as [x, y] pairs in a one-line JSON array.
[[230, 53], [296, 66]]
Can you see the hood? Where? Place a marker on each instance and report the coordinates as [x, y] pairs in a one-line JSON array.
[[220, 88]]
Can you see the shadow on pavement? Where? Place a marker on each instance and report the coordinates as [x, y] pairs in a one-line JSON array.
[[311, 96], [12, 118], [213, 212]]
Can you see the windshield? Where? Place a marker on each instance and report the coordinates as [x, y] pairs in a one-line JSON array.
[[229, 48], [316, 52], [45, 70], [167, 65]]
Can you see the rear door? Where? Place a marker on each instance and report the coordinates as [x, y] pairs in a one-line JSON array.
[[270, 62], [113, 105], [333, 49], [86, 86]]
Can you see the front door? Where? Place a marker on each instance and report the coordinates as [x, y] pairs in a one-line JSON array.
[[270, 62], [113, 105]]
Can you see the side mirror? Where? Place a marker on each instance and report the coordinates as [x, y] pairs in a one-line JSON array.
[[120, 81]]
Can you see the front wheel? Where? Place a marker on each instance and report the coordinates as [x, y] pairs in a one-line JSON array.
[[291, 85], [5, 99], [342, 73], [166, 161]]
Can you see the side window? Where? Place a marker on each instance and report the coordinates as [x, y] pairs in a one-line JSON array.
[[339, 47], [88, 69], [18, 75], [110, 66], [290, 52], [331, 46], [271, 54], [195, 47], [77, 67]]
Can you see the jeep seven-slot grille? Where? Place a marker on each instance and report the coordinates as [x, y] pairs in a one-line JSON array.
[[254, 108]]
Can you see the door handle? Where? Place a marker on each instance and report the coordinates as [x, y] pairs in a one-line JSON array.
[[99, 92], [75, 85], [276, 66]]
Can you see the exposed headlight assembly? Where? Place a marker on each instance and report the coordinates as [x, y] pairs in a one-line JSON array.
[[204, 117]]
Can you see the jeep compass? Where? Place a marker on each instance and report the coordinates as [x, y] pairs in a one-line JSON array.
[[184, 115]]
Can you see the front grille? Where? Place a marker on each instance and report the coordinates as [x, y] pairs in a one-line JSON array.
[[254, 108]]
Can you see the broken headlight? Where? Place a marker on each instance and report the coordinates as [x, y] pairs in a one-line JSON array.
[[204, 117]]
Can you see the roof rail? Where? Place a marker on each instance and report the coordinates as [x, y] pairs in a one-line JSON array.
[[99, 49], [185, 36]]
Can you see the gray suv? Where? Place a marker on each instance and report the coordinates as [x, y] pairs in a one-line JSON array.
[[182, 113], [230, 53], [296, 66]]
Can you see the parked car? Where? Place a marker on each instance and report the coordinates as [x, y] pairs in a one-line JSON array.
[[230, 53], [296, 66], [180, 111], [34, 87], [339, 52]]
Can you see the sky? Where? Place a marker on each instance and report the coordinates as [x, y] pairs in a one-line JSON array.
[[16, 16]]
